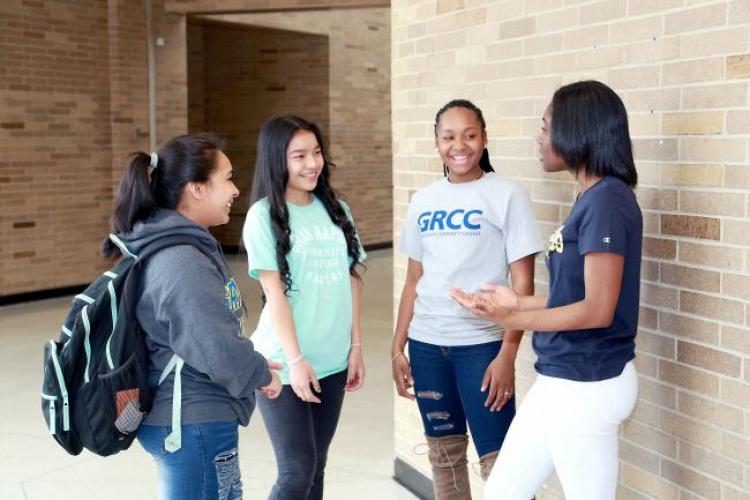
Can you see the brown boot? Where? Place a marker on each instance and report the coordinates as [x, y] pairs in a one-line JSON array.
[[450, 474], [485, 464]]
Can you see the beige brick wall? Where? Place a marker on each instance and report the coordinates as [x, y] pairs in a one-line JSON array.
[[682, 67], [73, 105], [67, 105]]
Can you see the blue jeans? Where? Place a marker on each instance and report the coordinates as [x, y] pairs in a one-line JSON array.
[[206, 467], [447, 382]]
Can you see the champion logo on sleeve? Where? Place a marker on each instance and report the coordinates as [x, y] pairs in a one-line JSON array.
[[606, 240], [555, 242]]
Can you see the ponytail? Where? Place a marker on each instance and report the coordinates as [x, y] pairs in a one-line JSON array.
[[135, 200], [484, 162]]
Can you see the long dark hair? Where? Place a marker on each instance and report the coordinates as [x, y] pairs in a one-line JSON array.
[[270, 180], [484, 161], [589, 129], [143, 189]]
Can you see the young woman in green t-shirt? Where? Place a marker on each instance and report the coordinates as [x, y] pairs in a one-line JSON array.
[[303, 248]]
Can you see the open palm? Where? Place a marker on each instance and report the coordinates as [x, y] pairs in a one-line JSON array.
[[501, 296], [494, 304]]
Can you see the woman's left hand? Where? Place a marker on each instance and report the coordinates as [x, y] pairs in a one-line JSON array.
[[491, 306], [356, 377], [500, 379]]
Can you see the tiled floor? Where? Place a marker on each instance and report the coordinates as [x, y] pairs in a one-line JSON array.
[[32, 466]]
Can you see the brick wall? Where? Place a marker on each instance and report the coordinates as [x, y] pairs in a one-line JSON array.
[[170, 61], [243, 75], [57, 120], [682, 68], [74, 104]]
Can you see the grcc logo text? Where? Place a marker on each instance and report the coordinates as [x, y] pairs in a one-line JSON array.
[[455, 220]]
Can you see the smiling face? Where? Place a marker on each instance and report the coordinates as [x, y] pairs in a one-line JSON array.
[[220, 193], [304, 162], [460, 141], [551, 161]]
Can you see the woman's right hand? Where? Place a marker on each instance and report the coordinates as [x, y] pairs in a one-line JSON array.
[[402, 375], [495, 303], [302, 377], [503, 296], [273, 389]]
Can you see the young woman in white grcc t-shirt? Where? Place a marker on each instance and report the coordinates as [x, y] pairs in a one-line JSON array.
[[471, 227]]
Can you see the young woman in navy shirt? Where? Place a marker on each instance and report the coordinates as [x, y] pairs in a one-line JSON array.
[[584, 330]]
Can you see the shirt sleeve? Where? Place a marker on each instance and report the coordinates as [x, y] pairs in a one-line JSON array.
[[603, 227], [201, 328], [522, 234], [410, 241], [260, 243], [348, 211]]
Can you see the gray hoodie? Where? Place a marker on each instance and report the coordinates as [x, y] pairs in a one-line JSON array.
[[189, 308]]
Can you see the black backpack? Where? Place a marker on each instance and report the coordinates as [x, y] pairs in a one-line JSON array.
[[95, 389]]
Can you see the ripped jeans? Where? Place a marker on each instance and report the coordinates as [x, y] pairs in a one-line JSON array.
[[447, 382], [206, 467]]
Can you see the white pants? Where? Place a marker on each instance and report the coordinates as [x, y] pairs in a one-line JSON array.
[[569, 427]]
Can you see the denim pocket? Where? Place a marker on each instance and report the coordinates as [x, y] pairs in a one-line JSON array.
[[152, 439]]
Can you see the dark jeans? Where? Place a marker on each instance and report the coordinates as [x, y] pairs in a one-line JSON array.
[[301, 433], [447, 382], [206, 467]]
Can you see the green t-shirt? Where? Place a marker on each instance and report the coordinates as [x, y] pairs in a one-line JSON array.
[[321, 294]]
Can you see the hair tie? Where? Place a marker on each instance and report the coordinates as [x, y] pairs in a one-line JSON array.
[[154, 161]]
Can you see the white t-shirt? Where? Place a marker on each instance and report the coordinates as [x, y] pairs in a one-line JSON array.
[[464, 235]]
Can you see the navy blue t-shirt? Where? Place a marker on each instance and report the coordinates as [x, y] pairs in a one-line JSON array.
[[605, 218]]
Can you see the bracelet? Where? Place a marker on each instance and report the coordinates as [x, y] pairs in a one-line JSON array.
[[355, 344], [296, 360], [397, 355]]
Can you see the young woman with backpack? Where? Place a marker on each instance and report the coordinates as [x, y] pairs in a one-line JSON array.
[[202, 366]]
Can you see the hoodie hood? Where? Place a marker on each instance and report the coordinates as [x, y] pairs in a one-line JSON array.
[[164, 223]]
